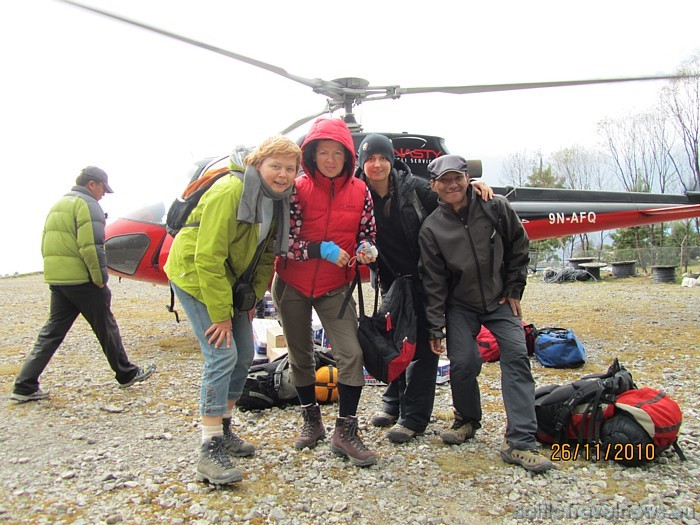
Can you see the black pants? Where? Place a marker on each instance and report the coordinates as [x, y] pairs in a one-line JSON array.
[[94, 303], [411, 398]]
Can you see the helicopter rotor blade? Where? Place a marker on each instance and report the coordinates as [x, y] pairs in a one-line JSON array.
[[329, 109], [318, 85], [486, 88]]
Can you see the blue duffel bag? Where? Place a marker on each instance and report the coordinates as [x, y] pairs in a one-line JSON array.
[[559, 348]]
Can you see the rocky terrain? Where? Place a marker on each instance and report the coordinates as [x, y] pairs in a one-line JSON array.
[[94, 453]]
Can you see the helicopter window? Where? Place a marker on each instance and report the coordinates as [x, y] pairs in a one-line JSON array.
[[124, 252]]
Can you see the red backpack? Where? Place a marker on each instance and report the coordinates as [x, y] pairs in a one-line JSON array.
[[658, 414], [489, 347]]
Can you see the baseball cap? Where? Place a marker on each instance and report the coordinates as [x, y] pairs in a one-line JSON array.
[[96, 174]]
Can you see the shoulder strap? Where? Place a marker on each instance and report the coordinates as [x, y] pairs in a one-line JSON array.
[[171, 307], [356, 283], [491, 208], [418, 205], [248, 272]]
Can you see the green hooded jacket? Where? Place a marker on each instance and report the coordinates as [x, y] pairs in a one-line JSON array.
[[197, 259], [72, 242]]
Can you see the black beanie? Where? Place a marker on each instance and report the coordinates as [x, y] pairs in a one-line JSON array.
[[375, 144]]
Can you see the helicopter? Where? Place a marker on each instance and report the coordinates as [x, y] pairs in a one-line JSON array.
[[138, 245]]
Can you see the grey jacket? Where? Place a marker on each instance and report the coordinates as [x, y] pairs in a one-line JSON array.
[[459, 265]]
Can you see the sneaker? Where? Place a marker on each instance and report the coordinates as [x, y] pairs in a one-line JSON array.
[[313, 430], [141, 375], [34, 396], [235, 445], [400, 434], [346, 442], [530, 460], [382, 419], [214, 464], [459, 432]]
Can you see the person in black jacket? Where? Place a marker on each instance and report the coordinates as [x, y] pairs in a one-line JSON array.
[[401, 203], [474, 266]]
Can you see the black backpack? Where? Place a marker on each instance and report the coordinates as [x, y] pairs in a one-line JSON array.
[[575, 412], [269, 385]]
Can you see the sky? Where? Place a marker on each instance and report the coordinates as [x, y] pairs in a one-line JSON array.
[[79, 89]]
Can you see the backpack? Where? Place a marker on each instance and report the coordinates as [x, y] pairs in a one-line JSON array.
[[181, 207], [646, 422], [559, 348], [388, 336], [575, 412], [488, 346], [269, 385]]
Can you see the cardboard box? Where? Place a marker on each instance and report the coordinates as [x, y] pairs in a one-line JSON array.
[[276, 352], [275, 338], [443, 371], [260, 327]]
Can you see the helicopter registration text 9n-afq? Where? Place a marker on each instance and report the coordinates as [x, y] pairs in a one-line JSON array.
[[582, 216]]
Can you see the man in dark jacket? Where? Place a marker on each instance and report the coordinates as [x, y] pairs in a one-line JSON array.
[[474, 259], [75, 268]]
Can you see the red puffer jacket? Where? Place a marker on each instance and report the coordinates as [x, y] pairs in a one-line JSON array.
[[324, 209]]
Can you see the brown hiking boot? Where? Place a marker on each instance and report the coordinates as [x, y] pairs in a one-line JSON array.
[[530, 460], [346, 442], [313, 429], [460, 431]]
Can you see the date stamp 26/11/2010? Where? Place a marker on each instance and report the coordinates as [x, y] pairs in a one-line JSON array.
[[603, 451]]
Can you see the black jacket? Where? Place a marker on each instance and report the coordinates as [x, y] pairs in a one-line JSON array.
[[406, 186], [456, 264]]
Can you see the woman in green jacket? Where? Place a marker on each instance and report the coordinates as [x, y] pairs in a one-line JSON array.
[[217, 245]]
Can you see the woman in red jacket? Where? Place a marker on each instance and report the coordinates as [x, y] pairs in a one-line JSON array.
[[332, 223]]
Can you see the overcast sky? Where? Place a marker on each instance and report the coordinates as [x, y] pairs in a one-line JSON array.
[[80, 89]]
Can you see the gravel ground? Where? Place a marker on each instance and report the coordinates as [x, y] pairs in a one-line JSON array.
[[94, 453]]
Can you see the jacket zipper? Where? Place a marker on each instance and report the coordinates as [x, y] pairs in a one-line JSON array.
[[331, 194], [478, 269]]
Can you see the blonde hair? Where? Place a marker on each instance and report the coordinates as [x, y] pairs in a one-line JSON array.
[[277, 145]]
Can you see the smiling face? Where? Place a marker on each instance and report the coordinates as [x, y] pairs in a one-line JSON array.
[[451, 187], [377, 168], [279, 171], [330, 158]]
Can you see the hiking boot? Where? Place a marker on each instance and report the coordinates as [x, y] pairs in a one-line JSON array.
[[312, 430], [460, 431], [530, 460], [382, 419], [346, 442], [214, 464], [34, 396], [233, 444], [141, 375], [400, 434]]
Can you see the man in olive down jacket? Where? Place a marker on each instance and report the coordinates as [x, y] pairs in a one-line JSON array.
[[75, 268]]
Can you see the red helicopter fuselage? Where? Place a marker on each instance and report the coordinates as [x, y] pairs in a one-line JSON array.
[[138, 245]]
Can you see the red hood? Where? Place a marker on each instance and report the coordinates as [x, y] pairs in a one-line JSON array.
[[329, 129]]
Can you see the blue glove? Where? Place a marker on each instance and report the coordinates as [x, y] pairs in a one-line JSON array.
[[330, 251]]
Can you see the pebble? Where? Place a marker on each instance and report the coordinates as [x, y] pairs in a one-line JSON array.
[[140, 444]]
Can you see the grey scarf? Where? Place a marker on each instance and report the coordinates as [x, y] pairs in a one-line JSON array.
[[250, 207]]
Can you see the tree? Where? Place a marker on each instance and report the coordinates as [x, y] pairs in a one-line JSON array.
[[542, 177], [579, 168], [517, 168], [682, 99]]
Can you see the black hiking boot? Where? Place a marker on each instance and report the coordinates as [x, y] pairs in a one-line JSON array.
[[313, 429], [346, 442], [235, 445]]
